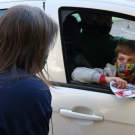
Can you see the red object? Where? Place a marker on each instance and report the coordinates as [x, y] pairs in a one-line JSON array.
[[102, 79]]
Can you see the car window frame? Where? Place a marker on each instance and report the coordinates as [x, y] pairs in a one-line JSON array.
[[77, 85]]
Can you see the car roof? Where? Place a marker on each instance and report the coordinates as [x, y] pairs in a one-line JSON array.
[[130, 3], [119, 2]]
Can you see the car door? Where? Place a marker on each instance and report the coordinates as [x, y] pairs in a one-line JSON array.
[[82, 112], [86, 109]]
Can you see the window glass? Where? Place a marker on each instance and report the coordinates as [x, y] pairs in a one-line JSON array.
[[123, 27], [89, 38], [2, 11], [77, 16]]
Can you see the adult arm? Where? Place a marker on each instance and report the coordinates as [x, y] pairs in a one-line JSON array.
[[40, 110], [39, 127]]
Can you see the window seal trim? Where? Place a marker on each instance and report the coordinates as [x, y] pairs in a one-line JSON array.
[[94, 11], [100, 89]]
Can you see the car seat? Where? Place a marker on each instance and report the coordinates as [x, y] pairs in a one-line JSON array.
[[73, 42]]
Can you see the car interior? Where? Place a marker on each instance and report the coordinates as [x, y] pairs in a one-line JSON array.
[[73, 41], [73, 36]]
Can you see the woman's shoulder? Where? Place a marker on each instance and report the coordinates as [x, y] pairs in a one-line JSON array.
[[25, 85], [27, 92], [33, 84]]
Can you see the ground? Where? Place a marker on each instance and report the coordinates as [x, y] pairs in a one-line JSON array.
[[122, 27]]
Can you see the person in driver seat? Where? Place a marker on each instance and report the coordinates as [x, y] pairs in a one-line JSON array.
[[122, 72], [98, 44]]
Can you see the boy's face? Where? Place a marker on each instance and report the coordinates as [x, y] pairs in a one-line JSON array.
[[126, 70], [126, 58]]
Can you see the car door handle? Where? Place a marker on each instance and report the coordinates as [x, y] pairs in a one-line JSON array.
[[69, 113]]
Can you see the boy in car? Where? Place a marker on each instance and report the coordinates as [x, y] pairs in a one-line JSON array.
[[122, 72], [98, 43]]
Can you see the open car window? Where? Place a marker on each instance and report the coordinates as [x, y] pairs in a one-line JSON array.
[[77, 16], [83, 46], [123, 27]]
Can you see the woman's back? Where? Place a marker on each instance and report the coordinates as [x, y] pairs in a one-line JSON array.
[[24, 105], [26, 36]]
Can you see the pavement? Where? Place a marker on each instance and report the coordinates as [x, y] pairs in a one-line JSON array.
[[123, 28]]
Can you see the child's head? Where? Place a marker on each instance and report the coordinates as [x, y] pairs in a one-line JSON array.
[[125, 51], [26, 36], [125, 59]]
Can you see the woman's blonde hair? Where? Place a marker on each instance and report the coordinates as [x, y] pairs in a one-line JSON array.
[[26, 35]]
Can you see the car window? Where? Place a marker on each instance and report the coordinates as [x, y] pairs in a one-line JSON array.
[[123, 27], [77, 16], [2, 11], [88, 45]]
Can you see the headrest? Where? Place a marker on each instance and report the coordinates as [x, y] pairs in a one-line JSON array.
[[87, 17], [72, 35]]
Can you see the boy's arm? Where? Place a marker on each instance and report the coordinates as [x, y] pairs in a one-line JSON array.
[[120, 82], [86, 75]]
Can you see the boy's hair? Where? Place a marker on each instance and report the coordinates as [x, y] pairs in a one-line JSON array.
[[125, 47], [26, 35]]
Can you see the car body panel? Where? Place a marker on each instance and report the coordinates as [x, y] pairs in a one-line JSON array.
[[117, 113]]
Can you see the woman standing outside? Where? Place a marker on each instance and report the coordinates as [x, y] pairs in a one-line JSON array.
[[26, 36]]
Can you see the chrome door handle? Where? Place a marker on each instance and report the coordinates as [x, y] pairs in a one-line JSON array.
[[69, 113]]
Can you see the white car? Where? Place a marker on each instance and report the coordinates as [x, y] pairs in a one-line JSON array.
[[78, 108]]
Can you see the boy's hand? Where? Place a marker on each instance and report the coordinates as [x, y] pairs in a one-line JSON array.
[[120, 82]]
